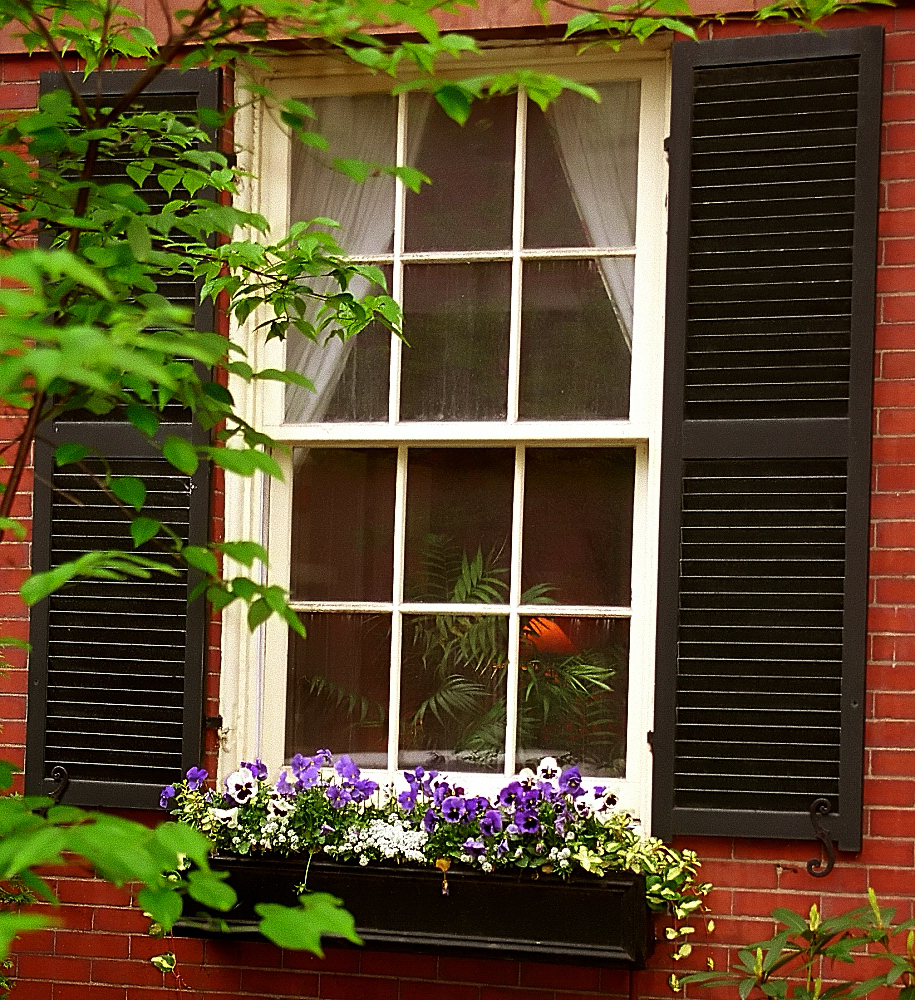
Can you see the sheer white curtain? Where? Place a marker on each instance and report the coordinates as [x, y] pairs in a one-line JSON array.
[[598, 147], [358, 128]]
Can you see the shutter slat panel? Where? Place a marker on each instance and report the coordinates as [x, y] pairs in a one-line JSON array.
[[770, 307]]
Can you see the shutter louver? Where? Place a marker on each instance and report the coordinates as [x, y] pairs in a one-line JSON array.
[[116, 673], [766, 447]]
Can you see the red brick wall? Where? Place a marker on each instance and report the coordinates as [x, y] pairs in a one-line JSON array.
[[101, 949]]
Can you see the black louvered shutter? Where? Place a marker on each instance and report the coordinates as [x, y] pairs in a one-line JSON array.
[[766, 444], [117, 668]]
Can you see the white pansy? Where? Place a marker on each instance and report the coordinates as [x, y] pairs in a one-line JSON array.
[[227, 816], [241, 786], [548, 769]]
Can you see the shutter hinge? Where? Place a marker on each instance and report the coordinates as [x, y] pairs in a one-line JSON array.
[[649, 738], [667, 144], [214, 722]]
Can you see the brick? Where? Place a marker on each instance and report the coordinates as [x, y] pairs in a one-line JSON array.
[[125, 972], [71, 890], [79, 944], [883, 733], [615, 981], [896, 478], [891, 620], [91, 991], [892, 561], [438, 991], [896, 705], [893, 451], [892, 822], [904, 76], [898, 364], [333, 987], [35, 990], [381, 963], [295, 984], [186, 950], [498, 993], [558, 977], [899, 507], [124, 919], [892, 763], [898, 308], [487, 971], [18, 96], [54, 967], [335, 959], [900, 853]]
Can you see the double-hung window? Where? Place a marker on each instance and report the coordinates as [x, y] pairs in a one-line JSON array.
[[468, 520]]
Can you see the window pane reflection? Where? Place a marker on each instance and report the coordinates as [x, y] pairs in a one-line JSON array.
[[573, 693], [575, 346], [354, 561], [456, 321], [578, 524], [459, 510], [468, 205], [338, 691], [452, 692]]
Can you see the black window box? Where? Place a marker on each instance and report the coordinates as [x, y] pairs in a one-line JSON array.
[[586, 919]]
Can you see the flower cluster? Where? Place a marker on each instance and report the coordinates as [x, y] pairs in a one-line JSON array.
[[547, 821]]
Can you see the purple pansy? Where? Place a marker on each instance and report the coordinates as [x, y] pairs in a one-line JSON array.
[[491, 823], [168, 793], [283, 785], [258, 768], [407, 800], [510, 793], [363, 789], [474, 848], [570, 782], [527, 821], [454, 808], [338, 797], [430, 821], [196, 777], [346, 768]]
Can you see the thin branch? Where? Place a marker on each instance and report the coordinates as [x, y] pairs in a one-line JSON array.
[[58, 58], [26, 438]]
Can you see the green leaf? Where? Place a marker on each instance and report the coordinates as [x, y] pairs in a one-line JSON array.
[[143, 419], [179, 838], [181, 454], [302, 928], [13, 526], [244, 552], [6, 775], [455, 101], [66, 454], [208, 887], [129, 490], [202, 559], [258, 613], [162, 904], [14, 924], [142, 529]]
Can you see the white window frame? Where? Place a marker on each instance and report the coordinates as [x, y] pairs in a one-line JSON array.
[[254, 667]]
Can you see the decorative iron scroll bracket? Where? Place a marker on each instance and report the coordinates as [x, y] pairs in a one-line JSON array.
[[60, 776], [815, 866]]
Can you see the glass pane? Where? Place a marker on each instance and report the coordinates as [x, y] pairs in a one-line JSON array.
[[575, 352], [362, 127], [468, 205], [456, 321], [459, 515], [582, 169], [452, 692], [577, 547], [350, 378], [573, 692], [338, 687], [352, 490]]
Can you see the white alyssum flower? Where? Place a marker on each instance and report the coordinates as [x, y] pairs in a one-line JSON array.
[[389, 839]]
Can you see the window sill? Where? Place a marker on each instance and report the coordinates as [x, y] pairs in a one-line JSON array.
[[586, 920]]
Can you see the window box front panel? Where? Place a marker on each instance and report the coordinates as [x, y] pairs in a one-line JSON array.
[[587, 920]]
